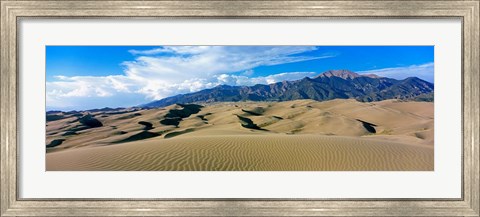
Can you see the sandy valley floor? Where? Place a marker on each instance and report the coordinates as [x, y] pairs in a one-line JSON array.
[[301, 135]]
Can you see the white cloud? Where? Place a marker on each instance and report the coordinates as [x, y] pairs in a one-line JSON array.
[[236, 80], [201, 64], [288, 76], [172, 49], [424, 71], [181, 69], [249, 72]]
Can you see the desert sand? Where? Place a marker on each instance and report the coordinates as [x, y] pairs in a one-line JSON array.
[[300, 135]]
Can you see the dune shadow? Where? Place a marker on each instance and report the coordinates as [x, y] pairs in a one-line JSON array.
[[69, 133], [89, 121], [368, 126], [148, 125], [139, 136], [128, 116], [202, 117], [50, 117], [55, 143], [175, 116], [248, 123], [177, 133], [258, 111]]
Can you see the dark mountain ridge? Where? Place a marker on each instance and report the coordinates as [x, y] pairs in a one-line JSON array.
[[333, 84]]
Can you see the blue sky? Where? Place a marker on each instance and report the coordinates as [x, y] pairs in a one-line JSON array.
[[85, 77]]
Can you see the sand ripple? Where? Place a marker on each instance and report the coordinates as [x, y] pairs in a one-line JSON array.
[[248, 153]]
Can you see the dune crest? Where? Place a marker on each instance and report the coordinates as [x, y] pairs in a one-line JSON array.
[[303, 135]]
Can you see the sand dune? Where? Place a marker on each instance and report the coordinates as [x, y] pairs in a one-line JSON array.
[[293, 135], [248, 153]]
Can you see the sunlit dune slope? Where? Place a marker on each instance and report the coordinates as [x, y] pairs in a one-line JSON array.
[[291, 135], [248, 153]]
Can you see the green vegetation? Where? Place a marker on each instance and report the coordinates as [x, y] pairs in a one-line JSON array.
[[427, 97], [320, 88]]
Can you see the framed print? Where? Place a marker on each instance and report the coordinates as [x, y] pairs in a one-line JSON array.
[[247, 118], [239, 108]]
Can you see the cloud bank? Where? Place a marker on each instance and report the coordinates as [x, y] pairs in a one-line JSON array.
[[170, 70], [166, 71], [424, 71]]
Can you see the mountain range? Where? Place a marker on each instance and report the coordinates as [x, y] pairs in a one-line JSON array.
[[333, 84]]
